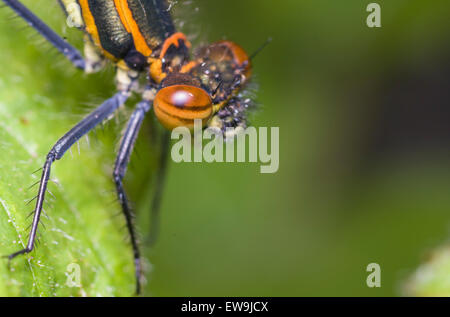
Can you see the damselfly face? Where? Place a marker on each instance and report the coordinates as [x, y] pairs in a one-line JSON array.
[[203, 87]]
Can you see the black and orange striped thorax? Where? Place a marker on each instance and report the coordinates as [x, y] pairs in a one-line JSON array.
[[126, 28]]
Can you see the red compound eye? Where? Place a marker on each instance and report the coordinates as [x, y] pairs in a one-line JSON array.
[[179, 105]]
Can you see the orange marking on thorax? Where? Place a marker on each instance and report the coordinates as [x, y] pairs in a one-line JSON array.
[[131, 26], [118, 5], [156, 71], [91, 27], [173, 40], [88, 18]]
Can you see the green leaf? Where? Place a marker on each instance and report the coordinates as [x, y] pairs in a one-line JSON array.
[[432, 277], [41, 98]]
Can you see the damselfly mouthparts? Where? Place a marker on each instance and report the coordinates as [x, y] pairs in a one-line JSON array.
[[140, 39]]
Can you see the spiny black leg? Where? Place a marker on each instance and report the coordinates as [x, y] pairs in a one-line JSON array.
[[65, 48], [123, 157], [160, 180], [57, 152]]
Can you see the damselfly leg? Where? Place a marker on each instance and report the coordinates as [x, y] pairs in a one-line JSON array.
[[71, 53], [58, 150], [91, 121], [122, 160]]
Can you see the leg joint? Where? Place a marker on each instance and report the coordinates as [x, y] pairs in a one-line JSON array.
[[143, 106]]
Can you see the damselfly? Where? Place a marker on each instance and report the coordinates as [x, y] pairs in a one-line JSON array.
[[140, 39]]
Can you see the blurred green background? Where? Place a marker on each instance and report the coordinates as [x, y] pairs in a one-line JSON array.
[[364, 158]]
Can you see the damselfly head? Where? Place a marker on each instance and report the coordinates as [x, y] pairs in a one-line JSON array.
[[203, 86]]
